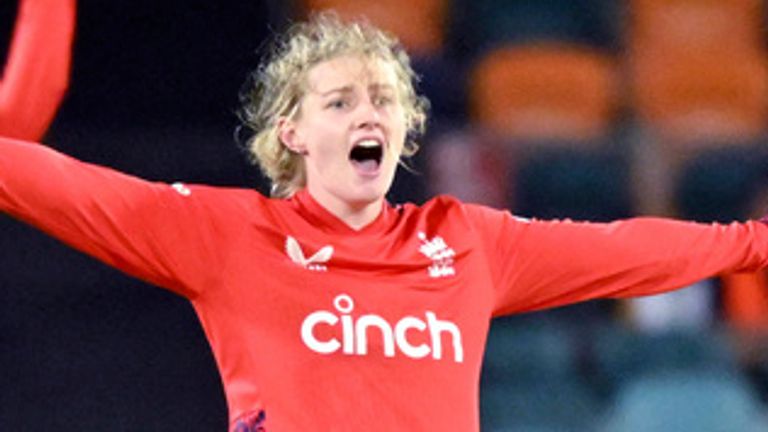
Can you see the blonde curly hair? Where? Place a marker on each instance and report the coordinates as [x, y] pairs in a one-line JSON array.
[[276, 88]]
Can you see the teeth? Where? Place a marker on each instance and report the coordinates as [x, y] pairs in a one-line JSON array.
[[368, 143]]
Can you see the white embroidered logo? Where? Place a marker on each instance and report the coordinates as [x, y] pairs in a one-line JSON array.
[[316, 262], [440, 254], [181, 189]]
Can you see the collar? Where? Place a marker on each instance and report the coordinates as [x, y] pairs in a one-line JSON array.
[[320, 217]]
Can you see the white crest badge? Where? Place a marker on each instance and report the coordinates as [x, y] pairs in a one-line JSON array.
[[441, 255]]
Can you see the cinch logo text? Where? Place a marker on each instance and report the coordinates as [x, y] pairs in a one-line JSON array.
[[354, 330]]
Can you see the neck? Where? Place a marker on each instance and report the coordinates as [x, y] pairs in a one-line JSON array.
[[353, 214]]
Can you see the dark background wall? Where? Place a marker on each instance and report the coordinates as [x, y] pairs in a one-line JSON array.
[[153, 92]]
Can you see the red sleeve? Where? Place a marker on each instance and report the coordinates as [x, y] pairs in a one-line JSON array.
[[36, 73], [170, 236], [543, 264]]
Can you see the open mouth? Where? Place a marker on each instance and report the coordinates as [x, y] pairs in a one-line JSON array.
[[367, 155]]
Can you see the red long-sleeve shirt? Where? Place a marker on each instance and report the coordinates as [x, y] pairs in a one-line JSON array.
[[36, 73], [320, 327]]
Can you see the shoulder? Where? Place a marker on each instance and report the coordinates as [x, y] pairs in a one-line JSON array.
[[487, 222], [441, 206], [436, 203], [217, 199], [446, 209], [454, 207]]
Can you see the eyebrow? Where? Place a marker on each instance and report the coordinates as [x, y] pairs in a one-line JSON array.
[[349, 88], [342, 89]]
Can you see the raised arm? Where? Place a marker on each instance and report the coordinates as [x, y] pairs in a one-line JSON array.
[[542, 264], [36, 73]]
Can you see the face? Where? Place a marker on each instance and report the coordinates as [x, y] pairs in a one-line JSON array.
[[350, 129]]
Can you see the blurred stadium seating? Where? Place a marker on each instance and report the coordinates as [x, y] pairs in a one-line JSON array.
[[686, 401], [698, 80], [531, 379]]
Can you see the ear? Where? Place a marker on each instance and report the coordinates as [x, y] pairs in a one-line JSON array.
[[289, 136]]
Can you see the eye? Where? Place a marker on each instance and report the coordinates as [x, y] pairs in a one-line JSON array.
[[337, 104], [382, 100]]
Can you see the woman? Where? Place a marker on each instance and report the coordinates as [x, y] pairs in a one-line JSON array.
[[326, 307]]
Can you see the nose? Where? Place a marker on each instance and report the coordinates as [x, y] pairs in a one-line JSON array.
[[368, 116]]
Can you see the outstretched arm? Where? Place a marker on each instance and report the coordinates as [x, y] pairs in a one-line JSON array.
[[543, 264], [36, 72], [168, 235]]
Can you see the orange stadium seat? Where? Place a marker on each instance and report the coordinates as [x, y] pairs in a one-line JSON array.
[[702, 100], [695, 26], [419, 24], [697, 68], [544, 92]]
